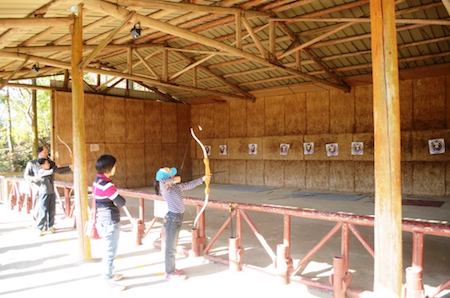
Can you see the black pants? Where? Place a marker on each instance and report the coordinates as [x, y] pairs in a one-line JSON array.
[[46, 211]]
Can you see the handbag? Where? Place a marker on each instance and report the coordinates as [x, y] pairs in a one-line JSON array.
[[91, 228]]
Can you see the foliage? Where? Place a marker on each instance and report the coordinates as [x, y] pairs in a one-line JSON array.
[[21, 116]]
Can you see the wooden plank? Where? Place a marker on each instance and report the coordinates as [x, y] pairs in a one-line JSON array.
[[363, 109], [342, 177], [420, 150], [274, 173], [317, 112], [134, 111], [63, 117], [114, 120], [238, 119], [429, 178], [275, 116], [221, 120], [169, 154], [136, 171], [318, 175], [407, 178], [364, 177], [238, 170], [255, 118], [255, 172], [184, 163], [407, 146], [342, 111], [295, 174], [271, 146], [153, 161], [295, 114], [152, 122], [205, 120], [429, 114], [169, 126], [94, 118], [93, 152], [120, 153], [406, 104]]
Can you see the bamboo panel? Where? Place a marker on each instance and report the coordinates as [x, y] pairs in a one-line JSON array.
[[295, 114], [153, 161], [119, 152], [63, 116], [205, 120], [429, 178], [318, 112], [364, 176], [184, 162], [447, 179], [420, 150], [367, 138], [184, 123], [197, 168], [238, 119], [275, 115], [274, 173], [198, 149], [93, 118], [448, 101], [136, 171], [255, 118], [407, 178], [319, 146], [222, 172], [115, 120], [238, 148], [317, 175], [221, 120], [62, 157], [429, 103], [153, 122], [169, 124], [93, 152], [345, 146], [295, 174], [342, 111], [271, 148], [169, 155], [255, 172], [406, 146], [342, 177], [363, 109], [135, 117], [193, 150], [238, 170], [215, 152], [406, 105]]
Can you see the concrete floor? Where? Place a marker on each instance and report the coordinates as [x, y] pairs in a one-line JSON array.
[[48, 266]]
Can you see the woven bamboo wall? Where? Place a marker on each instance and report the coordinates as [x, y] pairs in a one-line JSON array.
[[142, 135], [325, 116]]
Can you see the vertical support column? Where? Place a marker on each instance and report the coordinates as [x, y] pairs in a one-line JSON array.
[[344, 246], [199, 236], [238, 21], [386, 110], [140, 222], [34, 121], [66, 201], [79, 141], [417, 250]]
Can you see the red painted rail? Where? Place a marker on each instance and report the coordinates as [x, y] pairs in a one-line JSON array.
[[345, 223]]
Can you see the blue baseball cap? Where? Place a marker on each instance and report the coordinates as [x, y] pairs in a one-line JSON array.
[[165, 173]]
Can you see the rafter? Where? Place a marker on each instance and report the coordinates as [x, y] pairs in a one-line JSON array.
[[190, 66], [37, 22], [66, 65], [146, 64], [362, 20], [120, 13], [447, 5], [255, 38]]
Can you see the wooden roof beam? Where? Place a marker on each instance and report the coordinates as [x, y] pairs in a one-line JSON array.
[[157, 4], [447, 5], [121, 13], [66, 65], [362, 20], [36, 22]]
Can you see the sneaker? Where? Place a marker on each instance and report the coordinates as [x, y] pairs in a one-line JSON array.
[[117, 277], [180, 271], [52, 230], [39, 233], [175, 276]]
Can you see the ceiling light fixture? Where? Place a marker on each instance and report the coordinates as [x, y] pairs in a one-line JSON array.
[[136, 31], [35, 67]]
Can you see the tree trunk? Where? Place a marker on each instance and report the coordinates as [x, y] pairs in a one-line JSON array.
[[9, 133], [34, 121]]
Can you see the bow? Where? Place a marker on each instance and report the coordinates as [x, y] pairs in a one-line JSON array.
[[67, 146], [207, 174]]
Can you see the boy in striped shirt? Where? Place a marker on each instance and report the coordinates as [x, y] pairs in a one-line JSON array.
[[170, 188]]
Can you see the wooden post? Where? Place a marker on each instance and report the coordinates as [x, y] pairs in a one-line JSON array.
[[165, 66], [78, 131], [34, 123], [386, 112], [238, 21]]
